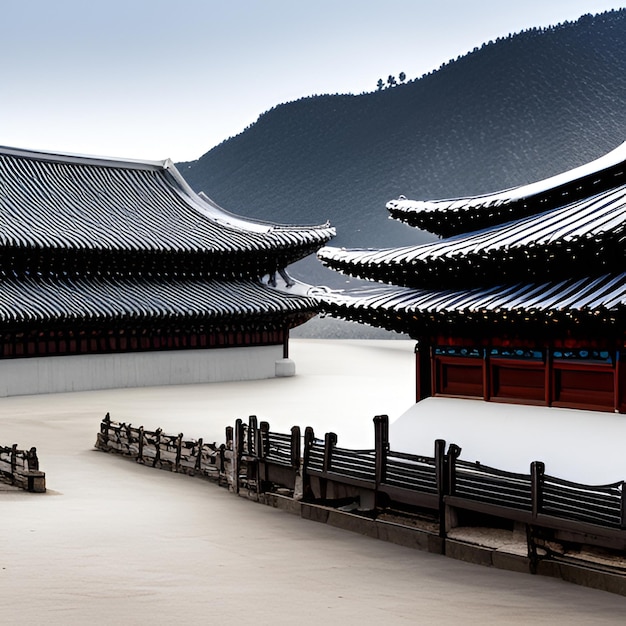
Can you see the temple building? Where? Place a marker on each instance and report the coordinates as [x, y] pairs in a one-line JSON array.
[[521, 300], [115, 273]]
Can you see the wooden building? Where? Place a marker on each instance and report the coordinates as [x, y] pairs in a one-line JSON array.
[[522, 300], [115, 273]]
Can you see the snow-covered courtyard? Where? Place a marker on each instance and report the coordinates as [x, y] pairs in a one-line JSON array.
[[113, 542]]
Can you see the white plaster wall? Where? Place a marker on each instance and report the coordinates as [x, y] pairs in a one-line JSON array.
[[140, 369]]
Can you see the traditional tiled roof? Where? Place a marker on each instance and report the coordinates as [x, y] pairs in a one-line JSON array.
[[66, 204], [100, 242], [449, 217], [560, 243], [591, 301], [103, 301], [562, 261]]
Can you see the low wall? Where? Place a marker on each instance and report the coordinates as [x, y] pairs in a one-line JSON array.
[[139, 369]]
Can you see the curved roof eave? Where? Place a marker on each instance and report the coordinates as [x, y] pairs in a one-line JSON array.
[[590, 300], [560, 241], [450, 216], [105, 300]]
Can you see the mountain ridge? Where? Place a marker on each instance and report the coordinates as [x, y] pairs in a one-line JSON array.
[[515, 110]]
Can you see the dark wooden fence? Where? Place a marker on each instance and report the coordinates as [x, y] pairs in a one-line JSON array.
[[445, 484], [260, 461], [21, 468], [162, 450]]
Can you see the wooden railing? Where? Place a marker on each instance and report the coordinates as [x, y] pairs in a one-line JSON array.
[[258, 460], [162, 450], [21, 468], [603, 505]]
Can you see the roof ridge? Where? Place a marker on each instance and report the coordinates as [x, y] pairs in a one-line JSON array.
[[84, 159]]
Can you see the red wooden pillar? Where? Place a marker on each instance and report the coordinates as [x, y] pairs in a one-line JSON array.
[[620, 382], [423, 370], [486, 376], [549, 377]]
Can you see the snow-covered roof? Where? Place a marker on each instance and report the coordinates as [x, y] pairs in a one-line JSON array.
[[598, 300], [448, 217], [97, 240], [36, 300], [558, 243], [58, 201]]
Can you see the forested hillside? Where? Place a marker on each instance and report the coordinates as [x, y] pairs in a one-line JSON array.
[[519, 109]]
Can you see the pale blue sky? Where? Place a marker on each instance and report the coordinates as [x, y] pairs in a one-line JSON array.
[[152, 79]]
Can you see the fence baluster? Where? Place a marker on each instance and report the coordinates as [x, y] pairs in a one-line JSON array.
[[330, 441], [104, 429], [537, 470], [251, 435], [309, 438], [238, 443], [295, 446], [13, 460], [623, 507], [179, 446], [129, 437], [222, 465], [157, 445], [381, 447], [441, 482], [263, 440], [453, 454], [198, 463], [140, 446]]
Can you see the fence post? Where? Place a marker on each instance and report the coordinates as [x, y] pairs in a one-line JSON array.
[[330, 441], [237, 452], [381, 447], [261, 449], [198, 463], [157, 454], [179, 446], [450, 519], [129, 438], [251, 436], [222, 467], [537, 470], [13, 461], [440, 478], [309, 437], [33, 460], [104, 429], [262, 440], [296, 455], [140, 446], [454, 452], [230, 438]]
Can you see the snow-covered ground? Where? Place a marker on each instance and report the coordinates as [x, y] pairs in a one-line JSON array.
[[581, 446], [113, 542]]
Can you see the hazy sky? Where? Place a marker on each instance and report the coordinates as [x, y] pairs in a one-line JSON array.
[[152, 79]]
